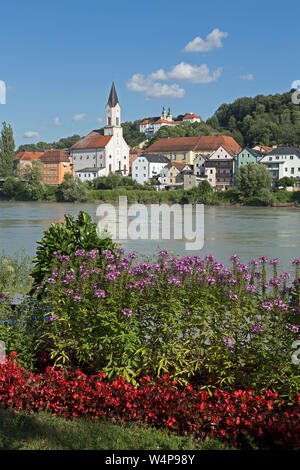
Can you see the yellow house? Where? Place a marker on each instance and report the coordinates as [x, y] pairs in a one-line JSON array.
[[186, 149]]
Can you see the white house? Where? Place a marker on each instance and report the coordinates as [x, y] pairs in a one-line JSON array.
[[191, 118], [283, 161], [148, 166], [222, 162], [89, 174], [104, 149]]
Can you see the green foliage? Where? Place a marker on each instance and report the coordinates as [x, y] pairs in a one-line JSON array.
[[132, 134], [7, 150], [263, 119], [22, 322], [72, 190], [63, 143], [15, 273], [66, 238], [252, 179], [285, 182]]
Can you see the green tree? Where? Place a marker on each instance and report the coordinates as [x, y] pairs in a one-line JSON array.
[[7, 150], [72, 190], [253, 178], [285, 182]]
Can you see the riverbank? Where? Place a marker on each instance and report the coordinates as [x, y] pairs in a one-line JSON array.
[[231, 197]]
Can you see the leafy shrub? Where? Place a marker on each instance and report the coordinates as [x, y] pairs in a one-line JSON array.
[[22, 322], [266, 420], [67, 237], [189, 317]]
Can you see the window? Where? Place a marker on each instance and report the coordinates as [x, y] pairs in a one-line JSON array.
[[291, 157], [292, 171], [117, 120]]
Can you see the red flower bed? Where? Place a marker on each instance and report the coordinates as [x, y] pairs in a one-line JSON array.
[[267, 419]]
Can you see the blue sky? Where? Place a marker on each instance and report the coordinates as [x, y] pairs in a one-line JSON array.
[[58, 59]]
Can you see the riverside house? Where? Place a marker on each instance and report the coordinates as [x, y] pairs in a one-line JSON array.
[[55, 165], [246, 156], [223, 160], [186, 149], [283, 161]]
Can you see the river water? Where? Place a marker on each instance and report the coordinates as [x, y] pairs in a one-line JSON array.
[[249, 231]]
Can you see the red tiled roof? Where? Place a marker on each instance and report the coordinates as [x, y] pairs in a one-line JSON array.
[[93, 140], [178, 165], [28, 156], [199, 143], [191, 116], [145, 121], [163, 121], [55, 156]]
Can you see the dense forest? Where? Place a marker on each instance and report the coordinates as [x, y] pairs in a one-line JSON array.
[[263, 119], [63, 143], [267, 120]]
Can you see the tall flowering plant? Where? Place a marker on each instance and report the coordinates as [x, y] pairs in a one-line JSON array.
[[192, 318]]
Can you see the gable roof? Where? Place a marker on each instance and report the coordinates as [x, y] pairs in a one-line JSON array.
[[254, 152], [191, 116], [285, 150], [198, 143], [154, 158], [55, 156], [28, 156], [93, 140], [178, 165]]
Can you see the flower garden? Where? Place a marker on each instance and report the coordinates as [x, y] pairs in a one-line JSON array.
[[188, 345]]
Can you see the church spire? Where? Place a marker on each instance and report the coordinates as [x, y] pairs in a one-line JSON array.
[[113, 97]]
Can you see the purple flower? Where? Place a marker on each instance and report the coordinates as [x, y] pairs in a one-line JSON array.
[[210, 280], [233, 296], [251, 288], [77, 298], [51, 280], [127, 312], [293, 328], [256, 328], [263, 259], [275, 281], [132, 255], [274, 261], [228, 341], [99, 293], [234, 258], [53, 317], [79, 253], [280, 304], [163, 253], [284, 275], [267, 305], [296, 261]]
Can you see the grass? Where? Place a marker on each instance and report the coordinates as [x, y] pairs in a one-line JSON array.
[[42, 431]]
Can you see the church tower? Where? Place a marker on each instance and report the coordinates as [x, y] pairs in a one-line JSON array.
[[113, 114]]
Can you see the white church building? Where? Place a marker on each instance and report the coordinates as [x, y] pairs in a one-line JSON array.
[[104, 150]]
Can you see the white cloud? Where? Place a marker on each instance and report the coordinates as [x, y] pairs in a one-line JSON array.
[[181, 72], [194, 73], [153, 89], [247, 76], [56, 121], [99, 119], [213, 40], [29, 134], [78, 117]]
